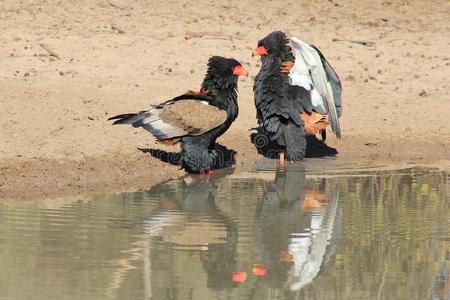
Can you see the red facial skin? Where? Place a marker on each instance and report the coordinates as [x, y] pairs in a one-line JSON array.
[[239, 277], [259, 270], [261, 51], [239, 70]]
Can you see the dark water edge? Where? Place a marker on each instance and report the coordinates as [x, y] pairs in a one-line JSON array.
[[313, 232]]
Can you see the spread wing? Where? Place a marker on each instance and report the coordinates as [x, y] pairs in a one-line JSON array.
[[312, 71], [188, 114]]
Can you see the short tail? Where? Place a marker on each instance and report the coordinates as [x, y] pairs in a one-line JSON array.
[[150, 121]]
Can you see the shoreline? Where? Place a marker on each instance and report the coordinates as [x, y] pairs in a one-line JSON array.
[[42, 178]]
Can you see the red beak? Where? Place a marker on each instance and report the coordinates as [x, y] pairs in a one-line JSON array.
[[260, 51], [240, 70]]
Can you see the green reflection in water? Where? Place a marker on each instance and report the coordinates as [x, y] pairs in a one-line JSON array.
[[264, 235]]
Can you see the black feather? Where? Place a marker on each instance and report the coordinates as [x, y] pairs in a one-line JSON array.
[[123, 116], [194, 97], [278, 103]]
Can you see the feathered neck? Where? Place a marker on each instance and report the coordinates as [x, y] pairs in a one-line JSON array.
[[286, 50], [225, 91], [285, 56]]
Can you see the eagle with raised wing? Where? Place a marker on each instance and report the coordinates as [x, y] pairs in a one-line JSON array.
[[195, 119], [297, 93]]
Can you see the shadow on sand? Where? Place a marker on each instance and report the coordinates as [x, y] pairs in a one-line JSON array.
[[225, 158], [314, 147]]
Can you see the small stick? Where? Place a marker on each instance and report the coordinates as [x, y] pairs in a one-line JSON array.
[[364, 43], [117, 28], [206, 35], [50, 51]]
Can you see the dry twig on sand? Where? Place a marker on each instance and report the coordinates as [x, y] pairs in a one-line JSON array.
[[50, 51], [206, 35], [364, 43]]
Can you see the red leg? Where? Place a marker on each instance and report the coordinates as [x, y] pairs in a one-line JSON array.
[[281, 159], [208, 172]]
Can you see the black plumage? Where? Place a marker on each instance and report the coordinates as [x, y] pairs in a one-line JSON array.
[[195, 119], [278, 103]]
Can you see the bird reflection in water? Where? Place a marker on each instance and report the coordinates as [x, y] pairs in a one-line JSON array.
[[292, 221], [295, 222], [188, 220]]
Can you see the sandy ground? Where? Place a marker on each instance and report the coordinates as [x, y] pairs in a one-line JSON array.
[[120, 56]]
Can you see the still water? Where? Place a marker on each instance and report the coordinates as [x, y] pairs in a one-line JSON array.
[[280, 234]]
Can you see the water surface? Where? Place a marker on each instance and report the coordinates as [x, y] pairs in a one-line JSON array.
[[376, 233]]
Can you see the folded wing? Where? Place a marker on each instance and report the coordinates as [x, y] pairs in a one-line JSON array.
[[188, 114], [312, 72]]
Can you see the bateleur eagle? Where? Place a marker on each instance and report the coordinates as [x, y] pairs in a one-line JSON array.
[[195, 119], [297, 93]]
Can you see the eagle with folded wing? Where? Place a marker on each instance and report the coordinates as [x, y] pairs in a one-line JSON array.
[[195, 119]]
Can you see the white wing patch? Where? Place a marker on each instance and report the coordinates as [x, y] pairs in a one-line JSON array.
[[176, 119], [310, 250], [159, 128], [309, 72]]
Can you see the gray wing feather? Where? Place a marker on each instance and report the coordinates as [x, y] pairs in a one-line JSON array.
[[335, 85], [176, 119], [324, 79]]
